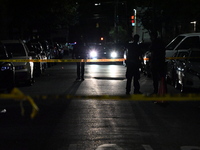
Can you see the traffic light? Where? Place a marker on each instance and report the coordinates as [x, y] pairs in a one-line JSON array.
[[133, 20]]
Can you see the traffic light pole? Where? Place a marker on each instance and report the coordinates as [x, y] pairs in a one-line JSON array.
[[135, 27]]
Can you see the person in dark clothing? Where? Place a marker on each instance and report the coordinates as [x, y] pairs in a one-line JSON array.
[[80, 52], [157, 60], [133, 61]]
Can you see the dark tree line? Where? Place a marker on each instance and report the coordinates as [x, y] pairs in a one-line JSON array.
[[171, 17], [19, 19]]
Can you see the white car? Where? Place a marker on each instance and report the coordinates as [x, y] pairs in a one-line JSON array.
[[23, 70], [183, 42], [186, 73]]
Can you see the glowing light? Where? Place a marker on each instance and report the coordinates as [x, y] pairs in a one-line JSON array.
[[93, 54], [113, 54]]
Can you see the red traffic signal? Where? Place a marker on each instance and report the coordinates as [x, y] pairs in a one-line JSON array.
[[133, 20]]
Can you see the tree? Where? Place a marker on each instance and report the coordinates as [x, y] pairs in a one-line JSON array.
[[42, 15], [119, 34], [170, 17]]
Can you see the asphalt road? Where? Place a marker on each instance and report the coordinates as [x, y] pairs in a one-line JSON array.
[[91, 124]]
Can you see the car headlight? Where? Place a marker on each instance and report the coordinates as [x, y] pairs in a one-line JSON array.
[[93, 54], [5, 67], [113, 54]]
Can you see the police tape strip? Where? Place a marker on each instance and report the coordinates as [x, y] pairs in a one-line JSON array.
[[16, 94], [62, 60], [134, 97], [82, 60]]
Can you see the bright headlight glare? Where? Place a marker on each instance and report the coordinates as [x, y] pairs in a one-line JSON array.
[[113, 54], [93, 54]]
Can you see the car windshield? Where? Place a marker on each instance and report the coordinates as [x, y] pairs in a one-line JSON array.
[[16, 49], [174, 43]]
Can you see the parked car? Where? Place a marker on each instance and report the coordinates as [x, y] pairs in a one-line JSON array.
[[185, 70], [36, 47], [37, 65], [24, 71], [183, 42], [58, 50], [7, 70], [48, 51]]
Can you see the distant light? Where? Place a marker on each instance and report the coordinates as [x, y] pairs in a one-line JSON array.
[[97, 4], [113, 54], [93, 54]]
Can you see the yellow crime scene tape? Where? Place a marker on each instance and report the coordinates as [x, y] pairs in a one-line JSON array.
[[82, 60], [62, 60], [17, 95], [134, 97]]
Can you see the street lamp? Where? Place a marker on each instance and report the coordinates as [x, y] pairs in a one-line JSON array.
[[195, 24]]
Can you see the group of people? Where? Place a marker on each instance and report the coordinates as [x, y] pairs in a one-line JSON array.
[[157, 63], [133, 62]]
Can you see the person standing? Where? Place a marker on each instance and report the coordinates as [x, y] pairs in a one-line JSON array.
[[157, 61], [80, 52], [133, 62]]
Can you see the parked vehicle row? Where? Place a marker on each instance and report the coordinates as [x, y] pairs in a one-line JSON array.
[[13, 73]]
